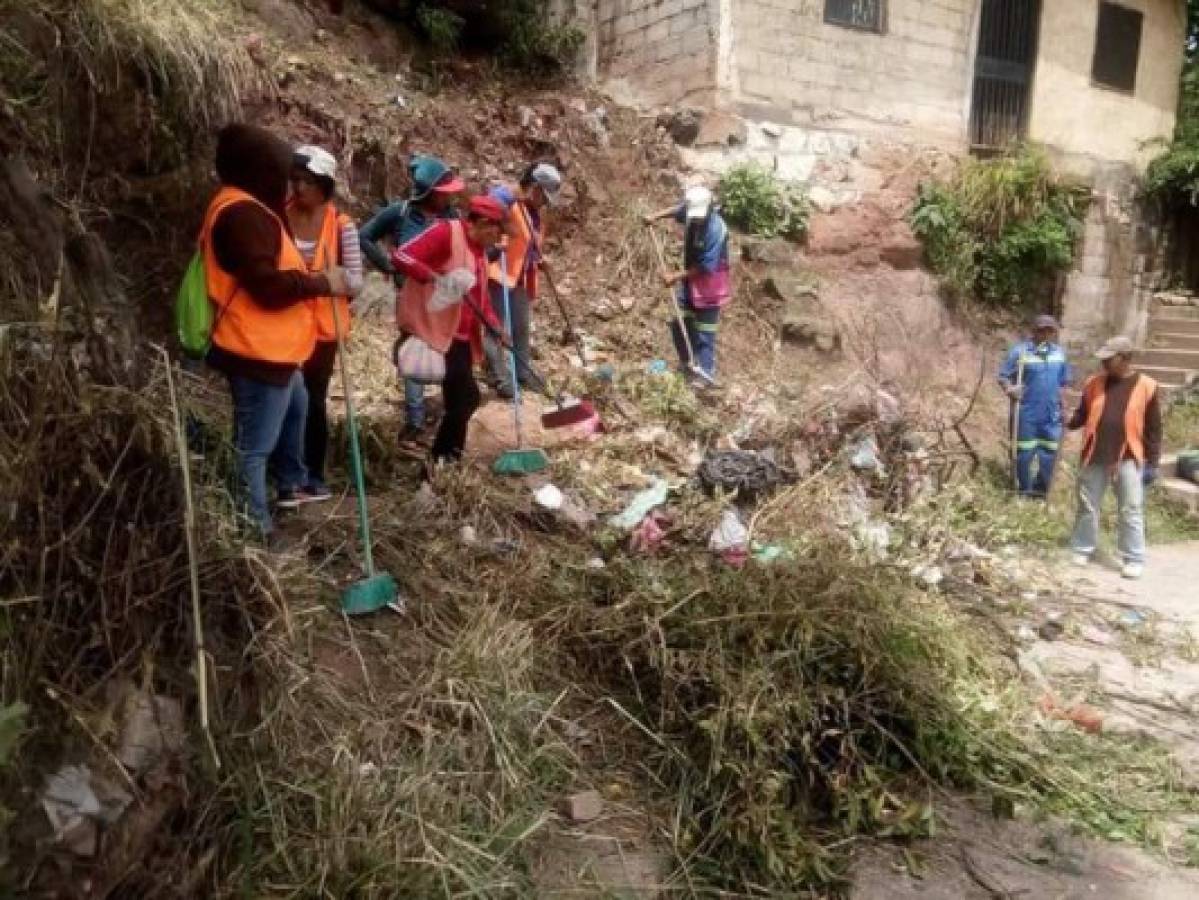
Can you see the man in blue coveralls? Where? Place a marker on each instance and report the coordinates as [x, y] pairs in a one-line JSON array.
[[1033, 375]]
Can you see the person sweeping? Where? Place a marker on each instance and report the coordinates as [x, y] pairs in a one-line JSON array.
[[703, 285], [434, 193], [437, 259], [324, 236], [524, 226], [1033, 374]]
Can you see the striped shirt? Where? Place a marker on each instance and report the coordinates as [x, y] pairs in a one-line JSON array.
[[350, 256]]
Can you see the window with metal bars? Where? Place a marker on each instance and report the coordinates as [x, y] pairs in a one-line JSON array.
[[866, 15], [1117, 47]]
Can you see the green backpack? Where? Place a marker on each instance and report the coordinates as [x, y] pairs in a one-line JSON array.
[[194, 319]]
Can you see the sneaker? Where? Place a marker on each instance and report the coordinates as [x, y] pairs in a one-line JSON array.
[[1133, 570], [293, 499], [317, 491], [1081, 559]]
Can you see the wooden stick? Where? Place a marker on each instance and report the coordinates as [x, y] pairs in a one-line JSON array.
[[193, 565]]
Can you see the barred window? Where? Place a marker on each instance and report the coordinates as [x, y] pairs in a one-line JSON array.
[[868, 15], [1117, 47]]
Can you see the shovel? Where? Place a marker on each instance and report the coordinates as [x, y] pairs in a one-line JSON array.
[[569, 334], [377, 589]]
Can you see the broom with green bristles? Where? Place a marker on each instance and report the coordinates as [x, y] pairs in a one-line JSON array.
[[377, 589], [522, 460]]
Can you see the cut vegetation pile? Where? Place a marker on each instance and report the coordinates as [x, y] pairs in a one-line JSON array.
[[746, 725]]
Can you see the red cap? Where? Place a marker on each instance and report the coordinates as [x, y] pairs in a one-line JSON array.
[[487, 208], [450, 184]]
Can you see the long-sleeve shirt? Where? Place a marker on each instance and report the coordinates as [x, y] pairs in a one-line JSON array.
[[1109, 436], [398, 222], [246, 240], [424, 256]]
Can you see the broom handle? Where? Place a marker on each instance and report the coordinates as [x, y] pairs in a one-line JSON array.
[[511, 350], [674, 303], [574, 335], [364, 528], [543, 386], [1016, 423], [193, 566]]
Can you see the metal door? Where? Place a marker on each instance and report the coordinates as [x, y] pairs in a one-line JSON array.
[[1007, 48]]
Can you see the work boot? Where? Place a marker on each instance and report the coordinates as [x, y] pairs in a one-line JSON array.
[[1133, 570], [297, 497]]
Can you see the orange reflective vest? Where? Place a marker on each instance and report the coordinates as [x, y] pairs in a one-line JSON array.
[[241, 326], [517, 244], [328, 253], [1095, 395]]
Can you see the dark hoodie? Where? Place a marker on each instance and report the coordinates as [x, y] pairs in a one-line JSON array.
[[246, 240]]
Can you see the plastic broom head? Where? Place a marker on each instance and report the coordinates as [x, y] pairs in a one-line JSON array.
[[520, 462], [369, 595]]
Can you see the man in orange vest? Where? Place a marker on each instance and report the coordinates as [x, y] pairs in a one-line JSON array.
[[539, 187], [263, 331], [1122, 441]]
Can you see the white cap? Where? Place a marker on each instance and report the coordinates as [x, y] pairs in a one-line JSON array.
[[549, 180], [698, 201], [318, 161]]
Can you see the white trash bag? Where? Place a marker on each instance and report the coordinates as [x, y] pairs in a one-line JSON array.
[[450, 288], [420, 362]]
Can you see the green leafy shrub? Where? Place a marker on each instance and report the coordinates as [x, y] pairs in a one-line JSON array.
[[521, 33], [442, 27], [1002, 228], [755, 201]]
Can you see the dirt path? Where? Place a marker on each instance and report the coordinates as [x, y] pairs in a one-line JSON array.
[[1129, 649]]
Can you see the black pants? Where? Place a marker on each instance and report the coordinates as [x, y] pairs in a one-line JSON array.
[[318, 370], [461, 398]]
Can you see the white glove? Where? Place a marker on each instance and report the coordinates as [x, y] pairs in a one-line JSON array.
[[449, 288]]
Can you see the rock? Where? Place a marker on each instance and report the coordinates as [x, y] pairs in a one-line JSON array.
[[788, 288], [527, 116], [153, 729], [586, 806], [720, 128], [773, 251], [802, 327], [682, 125], [823, 200], [903, 251], [772, 130]]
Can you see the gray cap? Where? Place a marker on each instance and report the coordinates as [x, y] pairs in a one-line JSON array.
[[1117, 346], [549, 180], [1044, 321]]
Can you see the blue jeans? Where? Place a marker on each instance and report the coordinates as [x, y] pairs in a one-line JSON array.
[[498, 361], [414, 404], [268, 425], [702, 328], [1130, 499], [1036, 441]]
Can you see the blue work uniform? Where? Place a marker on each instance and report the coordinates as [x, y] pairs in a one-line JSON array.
[[702, 322], [1043, 371]]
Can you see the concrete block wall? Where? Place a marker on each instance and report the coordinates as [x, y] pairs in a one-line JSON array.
[[667, 49], [912, 81]]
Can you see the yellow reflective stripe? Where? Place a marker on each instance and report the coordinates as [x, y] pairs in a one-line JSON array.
[[1026, 445], [1048, 445], [708, 329]]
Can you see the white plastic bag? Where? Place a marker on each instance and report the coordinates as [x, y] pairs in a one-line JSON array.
[[420, 362], [450, 288], [730, 534]]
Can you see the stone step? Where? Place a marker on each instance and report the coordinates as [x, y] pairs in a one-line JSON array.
[[1182, 492], [1179, 359], [1174, 325], [1167, 376], [1177, 312], [1173, 340]]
